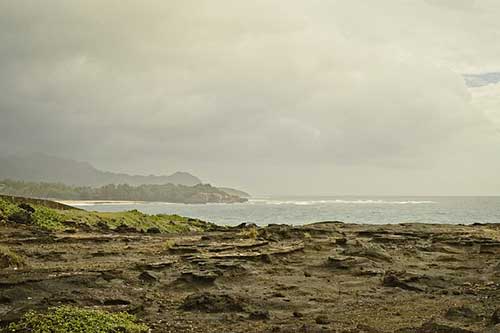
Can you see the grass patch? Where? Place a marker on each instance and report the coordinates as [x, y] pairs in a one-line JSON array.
[[135, 219], [54, 219], [77, 320], [41, 216], [168, 244], [250, 233], [48, 218], [9, 258]]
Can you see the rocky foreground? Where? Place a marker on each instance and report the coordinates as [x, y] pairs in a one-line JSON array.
[[324, 277]]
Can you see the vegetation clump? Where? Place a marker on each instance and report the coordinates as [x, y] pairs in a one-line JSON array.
[[43, 217], [9, 258], [250, 233], [168, 244], [77, 320]]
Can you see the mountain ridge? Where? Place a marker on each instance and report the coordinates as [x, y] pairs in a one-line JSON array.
[[40, 167]]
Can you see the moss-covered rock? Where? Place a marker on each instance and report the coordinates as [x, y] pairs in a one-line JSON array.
[[66, 319]]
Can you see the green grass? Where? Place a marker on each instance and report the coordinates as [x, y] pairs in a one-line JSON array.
[[48, 218], [53, 219], [168, 244], [136, 219], [9, 258], [7, 209], [250, 233], [77, 320]]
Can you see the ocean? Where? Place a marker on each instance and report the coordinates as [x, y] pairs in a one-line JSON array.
[[295, 210]]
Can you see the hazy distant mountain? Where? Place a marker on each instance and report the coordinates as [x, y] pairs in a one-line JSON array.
[[235, 192], [44, 168]]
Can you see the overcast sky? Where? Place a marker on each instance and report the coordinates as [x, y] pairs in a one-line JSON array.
[[274, 97]]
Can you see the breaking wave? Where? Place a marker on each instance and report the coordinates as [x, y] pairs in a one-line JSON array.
[[337, 201]]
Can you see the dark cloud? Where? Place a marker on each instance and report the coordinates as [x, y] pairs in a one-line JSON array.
[[238, 92]]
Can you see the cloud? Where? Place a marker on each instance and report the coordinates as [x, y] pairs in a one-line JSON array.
[[483, 79], [486, 98], [197, 85]]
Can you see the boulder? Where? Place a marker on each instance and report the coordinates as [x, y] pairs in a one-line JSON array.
[[153, 230], [26, 207], [392, 280], [20, 217], [103, 226]]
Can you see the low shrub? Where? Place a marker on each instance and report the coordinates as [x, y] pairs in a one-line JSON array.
[[250, 233]]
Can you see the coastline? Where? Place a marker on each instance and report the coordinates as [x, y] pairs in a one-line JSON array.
[[77, 203]]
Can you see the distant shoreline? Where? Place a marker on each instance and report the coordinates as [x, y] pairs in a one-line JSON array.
[[198, 194], [98, 202]]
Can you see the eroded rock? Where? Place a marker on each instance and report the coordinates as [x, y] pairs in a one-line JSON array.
[[392, 280], [212, 302], [199, 277], [495, 318], [153, 230], [322, 320], [433, 327], [371, 251], [461, 313], [342, 262], [148, 277], [259, 315], [20, 217], [123, 228]]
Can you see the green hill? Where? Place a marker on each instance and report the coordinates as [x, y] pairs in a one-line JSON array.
[[198, 194]]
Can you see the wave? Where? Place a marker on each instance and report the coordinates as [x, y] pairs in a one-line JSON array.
[[337, 201], [78, 203]]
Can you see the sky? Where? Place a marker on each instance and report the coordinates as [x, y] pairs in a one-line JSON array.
[[339, 97]]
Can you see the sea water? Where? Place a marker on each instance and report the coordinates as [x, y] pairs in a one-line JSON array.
[[264, 210]]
